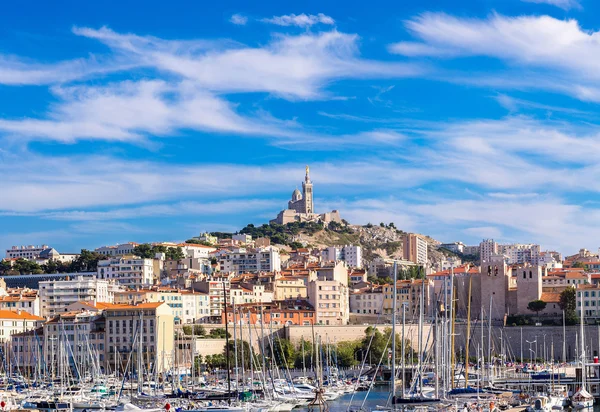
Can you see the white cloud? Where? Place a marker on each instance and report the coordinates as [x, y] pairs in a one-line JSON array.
[[535, 41], [15, 71], [541, 52], [239, 19], [486, 232], [563, 4], [193, 77], [300, 20], [297, 67]]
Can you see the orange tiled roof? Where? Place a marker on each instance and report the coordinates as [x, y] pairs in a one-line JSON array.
[[9, 314], [550, 297]]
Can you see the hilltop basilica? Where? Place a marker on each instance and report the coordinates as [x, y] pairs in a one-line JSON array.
[[301, 208]]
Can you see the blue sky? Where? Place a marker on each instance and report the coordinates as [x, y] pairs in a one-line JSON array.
[[152, 121]]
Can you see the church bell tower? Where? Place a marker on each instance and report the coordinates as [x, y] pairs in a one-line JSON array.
[[307, 189]]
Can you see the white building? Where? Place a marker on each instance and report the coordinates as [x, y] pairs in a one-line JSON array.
[[519, 254], [82, 332], [367, 301], [56, 295], [456, 247], [487, 248], [20, 299], [193, 251], [196, 307], [350, 254], [117, 250], [25, 252], [12, 322], [128, 271], [242, 238], [244, 260]]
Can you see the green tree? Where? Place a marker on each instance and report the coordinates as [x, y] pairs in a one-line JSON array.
[[284, 352], [25, 267], [174, 253], [536, 306], [579, 265], [568, 303], [243, 348], [295, 245], [305, 348], [86, 261], [568, 299], [345, 353], [145, 251], [219, 333], [5, 267]]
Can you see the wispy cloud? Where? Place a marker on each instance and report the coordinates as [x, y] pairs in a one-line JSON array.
[[300, 20], [556, 54], [563, 4], [238, 19], [193, 76]]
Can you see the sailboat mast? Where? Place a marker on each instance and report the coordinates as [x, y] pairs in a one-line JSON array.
[[452, 328], [468, 336], [395, 296], [403, 349], [227, 343], [582, 340]]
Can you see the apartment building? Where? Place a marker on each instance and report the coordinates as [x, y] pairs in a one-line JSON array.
[[56, 295], [350, 254], [456, 247], [12, 322], [290, 287], [368, 300], [196, 306], [216, 288], [328, 294], [243, 260], [78, 335], [25, 252], [27, 349], [117, 250], [143, 332], [20, 299], [519, 254], [487, 249], [248, 293], [172, 297], [128, 271], [286, 312], [415, 249]]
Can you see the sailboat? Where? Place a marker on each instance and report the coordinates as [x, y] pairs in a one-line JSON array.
[[582, 399], [418, 400]]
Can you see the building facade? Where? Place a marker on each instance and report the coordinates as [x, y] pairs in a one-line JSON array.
[[128, 271], [244, 260], [415, 249], [350, 254], [55, 296]]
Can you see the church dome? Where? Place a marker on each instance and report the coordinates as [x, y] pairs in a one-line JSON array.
[[296, 195]]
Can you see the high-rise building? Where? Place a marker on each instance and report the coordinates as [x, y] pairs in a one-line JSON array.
[[487, 249], [56, 295], [415, 249], [128, 271], [350, 254], [244, 260]]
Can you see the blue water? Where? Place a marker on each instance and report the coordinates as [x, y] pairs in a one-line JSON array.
[[378, 396]]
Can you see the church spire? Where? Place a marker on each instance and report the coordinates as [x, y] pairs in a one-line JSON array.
[[307, 177]]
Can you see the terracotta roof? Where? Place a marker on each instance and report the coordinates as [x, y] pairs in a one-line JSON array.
[[147, 305], [550, 297], [9, 314]]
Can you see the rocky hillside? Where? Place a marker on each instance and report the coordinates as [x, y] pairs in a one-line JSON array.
[[384, 241]]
